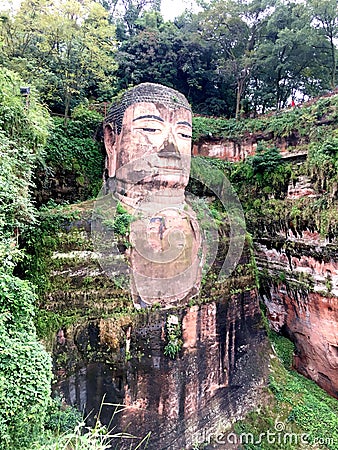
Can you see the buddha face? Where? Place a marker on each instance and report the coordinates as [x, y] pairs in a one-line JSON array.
[[153, 148]]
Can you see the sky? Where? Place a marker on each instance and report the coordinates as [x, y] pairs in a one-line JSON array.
[[173, 8], [169, 8]]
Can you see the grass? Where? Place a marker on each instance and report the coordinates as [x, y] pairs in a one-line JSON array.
[[98, 437]]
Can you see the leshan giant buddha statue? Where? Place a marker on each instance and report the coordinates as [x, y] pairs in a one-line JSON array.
[[147, 137]]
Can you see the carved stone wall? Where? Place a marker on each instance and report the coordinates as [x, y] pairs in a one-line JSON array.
[[218, 376]]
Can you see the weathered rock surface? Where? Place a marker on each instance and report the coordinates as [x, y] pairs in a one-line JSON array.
[[300, 293], [239, 149], [218, 376], [61, 185], [225, 149], [302, 187]]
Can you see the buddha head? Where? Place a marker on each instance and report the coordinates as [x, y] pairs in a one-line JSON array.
[[147, 138]]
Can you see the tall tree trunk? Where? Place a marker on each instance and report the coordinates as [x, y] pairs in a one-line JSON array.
[[240, 88], [238, 99], [67, 105], [334, 63]]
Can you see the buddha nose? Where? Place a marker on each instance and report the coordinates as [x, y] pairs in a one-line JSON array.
[[169, 148]]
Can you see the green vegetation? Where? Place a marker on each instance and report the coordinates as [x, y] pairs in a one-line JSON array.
[[231, 58], [174, 337], [25, 367], [323, 162], [23, 135], [66, 48], [48, 323], [121, 222], [40, 240], [26, 127], [257, 179], [308, 120], [71, 148], [97, 437], [261, 181]]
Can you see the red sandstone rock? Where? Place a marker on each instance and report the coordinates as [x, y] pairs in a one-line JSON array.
[[225, 149], [308, 314], [216, 378], [312, 324]]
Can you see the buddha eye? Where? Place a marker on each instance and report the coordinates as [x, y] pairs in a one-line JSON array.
[[149, 130], [185, 136]]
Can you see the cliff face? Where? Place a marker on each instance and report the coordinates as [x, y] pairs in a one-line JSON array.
[[230, 150], [296, 246], [237, 149], [298, 260], [300, 292], [113, 353], [61, 185]]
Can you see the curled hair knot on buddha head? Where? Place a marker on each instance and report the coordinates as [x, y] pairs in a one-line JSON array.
[[145, 92]]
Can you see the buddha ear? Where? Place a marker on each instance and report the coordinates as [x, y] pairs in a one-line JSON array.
[[109, 138]]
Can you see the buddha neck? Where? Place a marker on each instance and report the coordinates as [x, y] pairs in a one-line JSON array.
[[140, 196]]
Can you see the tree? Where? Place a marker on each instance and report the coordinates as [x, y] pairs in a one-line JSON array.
[[23, 134], [127, 12], [198, 72], [172, 54], [149, 55], [233, 28], [67, 48], [325, 20], [287, 58]]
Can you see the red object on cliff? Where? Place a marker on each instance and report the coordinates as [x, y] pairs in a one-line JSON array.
[[293, 104]]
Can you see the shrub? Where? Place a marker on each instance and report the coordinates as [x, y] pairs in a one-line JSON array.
[[71, 146], [25, 367], [266, 159], [174, 337], [27, 126], [121, 222]]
